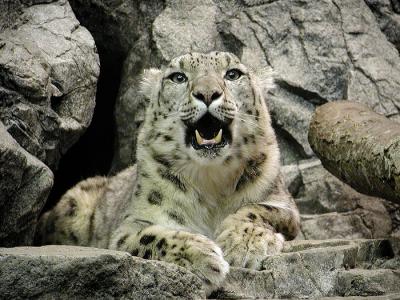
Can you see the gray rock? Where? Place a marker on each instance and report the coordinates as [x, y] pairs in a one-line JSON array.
[[305, 269], [332, 209], [48, 72], [368, 282], [61, 272], [313, 269], [387, 13], [25, 183], [360, 223]]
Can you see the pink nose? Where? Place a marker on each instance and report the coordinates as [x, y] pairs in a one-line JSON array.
[[206, 89]]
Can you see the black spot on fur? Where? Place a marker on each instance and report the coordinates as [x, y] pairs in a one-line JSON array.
[[143, 222], [161, 243], [91, 224], [245, 140], [122, 240], [251, 172], [268, 207], [167, 138], [228, 159], [135, 252], [147, 239], [165, 174], [71, 211], [176, 217], [162, 160], [215, 269], [163, 253], [147, 254], [155, 198], [252, 216]]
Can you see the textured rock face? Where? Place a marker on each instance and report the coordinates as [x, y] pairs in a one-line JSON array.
[[387, 13], [63, 272], [315, 269], [25, 183], [332, 209], [48, 74], [305, 269], [321, 51]]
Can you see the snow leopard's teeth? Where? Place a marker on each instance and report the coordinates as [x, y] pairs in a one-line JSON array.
[[201, 141]]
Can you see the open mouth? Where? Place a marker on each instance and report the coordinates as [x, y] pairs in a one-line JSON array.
[[208, 133]]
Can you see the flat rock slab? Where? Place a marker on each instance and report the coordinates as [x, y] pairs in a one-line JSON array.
[[315, 269], [305, 269], [63, 272]]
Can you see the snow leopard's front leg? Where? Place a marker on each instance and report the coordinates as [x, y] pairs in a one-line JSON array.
[[193, 251], [258, 230]]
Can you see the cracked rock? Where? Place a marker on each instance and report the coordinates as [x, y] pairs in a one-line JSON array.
[[387, 13], [316, 269], [48, 73], [67, 272], [25, 183]]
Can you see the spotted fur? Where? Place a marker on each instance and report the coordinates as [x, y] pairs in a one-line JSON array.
[[198, 208]]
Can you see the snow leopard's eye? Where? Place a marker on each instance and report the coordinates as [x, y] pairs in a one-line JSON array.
[[233, 74], [178, 77]]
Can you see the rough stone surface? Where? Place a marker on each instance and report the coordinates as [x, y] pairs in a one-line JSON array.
[[387, 13], [368, 282], [361, 223], [352, 60], [305, 269], [25, 183], [316, 269], [332, 209], [62, 272], [48, 73]]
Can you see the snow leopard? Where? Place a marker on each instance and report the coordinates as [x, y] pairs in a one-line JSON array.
[[206, 192]]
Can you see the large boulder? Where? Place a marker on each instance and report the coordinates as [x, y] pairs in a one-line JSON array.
[[48, 73], [25, 183], [66, 272]]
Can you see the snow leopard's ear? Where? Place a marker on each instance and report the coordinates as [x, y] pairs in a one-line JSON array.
[[150, 83]]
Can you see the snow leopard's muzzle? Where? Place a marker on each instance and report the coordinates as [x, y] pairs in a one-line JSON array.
[[208, 124]]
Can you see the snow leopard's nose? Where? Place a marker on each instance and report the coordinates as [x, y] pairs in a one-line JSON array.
[[207, 89]]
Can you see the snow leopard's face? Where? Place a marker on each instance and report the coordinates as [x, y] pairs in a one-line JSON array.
[[209, 105]]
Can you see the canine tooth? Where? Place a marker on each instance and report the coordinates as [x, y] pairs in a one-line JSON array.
[[199, 139], [218, 137]]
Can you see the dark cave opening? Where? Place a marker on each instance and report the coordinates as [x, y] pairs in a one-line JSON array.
[[92, 154]]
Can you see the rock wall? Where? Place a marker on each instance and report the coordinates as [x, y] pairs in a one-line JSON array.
[[321, 51], [48, 74]]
